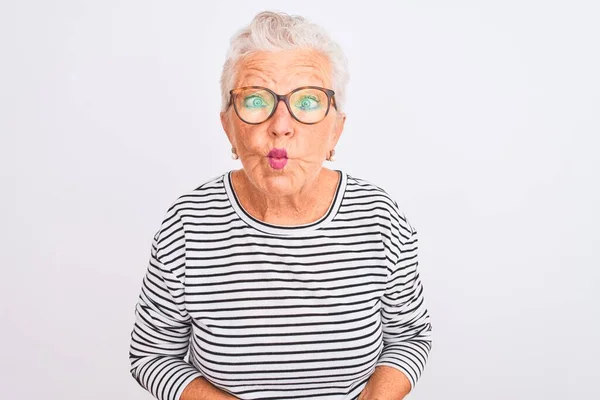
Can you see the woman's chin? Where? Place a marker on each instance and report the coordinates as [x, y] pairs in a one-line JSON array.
[[280, 182]]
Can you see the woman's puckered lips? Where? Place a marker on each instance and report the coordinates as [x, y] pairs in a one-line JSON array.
[[277, 153]]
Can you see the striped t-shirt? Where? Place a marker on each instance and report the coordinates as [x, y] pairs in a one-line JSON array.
[[280, 312]]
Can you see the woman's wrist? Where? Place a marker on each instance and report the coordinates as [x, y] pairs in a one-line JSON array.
[[202, 389], [386, 383]]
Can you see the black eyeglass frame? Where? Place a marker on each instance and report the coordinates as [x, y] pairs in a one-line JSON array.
[[286, 99]]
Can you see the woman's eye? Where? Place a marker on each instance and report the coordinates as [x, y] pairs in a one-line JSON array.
[[308, 103], [254, 102]]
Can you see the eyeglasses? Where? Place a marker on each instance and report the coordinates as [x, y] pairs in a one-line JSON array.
[[307, 104]]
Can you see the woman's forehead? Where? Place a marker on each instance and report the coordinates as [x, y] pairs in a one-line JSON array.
[[284, 70]]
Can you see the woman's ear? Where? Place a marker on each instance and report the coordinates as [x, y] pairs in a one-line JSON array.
[[226, 127], [340, 121], [223, 116]]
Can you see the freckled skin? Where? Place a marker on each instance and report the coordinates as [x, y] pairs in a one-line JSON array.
[[302, 191]]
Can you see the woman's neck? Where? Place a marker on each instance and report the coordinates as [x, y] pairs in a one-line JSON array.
[[309, 204]]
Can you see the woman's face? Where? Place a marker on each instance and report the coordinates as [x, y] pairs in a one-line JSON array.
[[307, 146]]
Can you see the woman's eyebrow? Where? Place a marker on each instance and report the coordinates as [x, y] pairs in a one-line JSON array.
[[251, 74]]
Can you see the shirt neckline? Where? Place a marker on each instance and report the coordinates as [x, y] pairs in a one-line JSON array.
[[286, 230]]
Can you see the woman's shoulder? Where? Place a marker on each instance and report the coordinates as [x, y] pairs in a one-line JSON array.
[[203, 196], [363, 190], [208, 190]]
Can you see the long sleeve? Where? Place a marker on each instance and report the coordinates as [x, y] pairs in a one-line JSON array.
[[406, 321], [161, 333]]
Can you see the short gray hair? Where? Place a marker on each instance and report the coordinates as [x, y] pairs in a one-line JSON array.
[[275, 31]]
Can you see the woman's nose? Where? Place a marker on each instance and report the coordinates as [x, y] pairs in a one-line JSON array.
[[282, 121]]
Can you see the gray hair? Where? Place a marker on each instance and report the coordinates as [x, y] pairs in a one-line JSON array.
[[275, 31]]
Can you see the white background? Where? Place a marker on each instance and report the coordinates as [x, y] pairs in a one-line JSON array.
[[480, 118]]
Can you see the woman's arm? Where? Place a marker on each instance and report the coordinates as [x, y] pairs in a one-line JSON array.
[[162, 329], [406, 327]]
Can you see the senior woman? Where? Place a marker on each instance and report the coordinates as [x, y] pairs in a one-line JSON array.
[[282, 279]]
